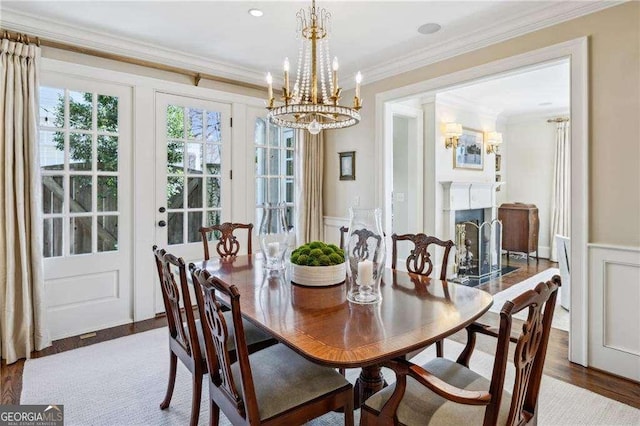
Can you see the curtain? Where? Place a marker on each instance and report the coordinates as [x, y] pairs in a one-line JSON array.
[[22, 308], [309, 163], [561, 195]]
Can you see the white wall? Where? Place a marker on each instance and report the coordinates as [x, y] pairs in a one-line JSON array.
[[528, 162], [401, 175]]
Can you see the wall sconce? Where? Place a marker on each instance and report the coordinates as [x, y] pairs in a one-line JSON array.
[[493, 140], [452, 132]]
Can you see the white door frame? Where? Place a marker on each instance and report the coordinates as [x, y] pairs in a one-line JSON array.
[[577, 52]]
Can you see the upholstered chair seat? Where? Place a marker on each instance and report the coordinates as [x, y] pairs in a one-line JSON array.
[[254, 334], [284, 380], [421, 406]]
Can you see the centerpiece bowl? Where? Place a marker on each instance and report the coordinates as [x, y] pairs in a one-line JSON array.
[[318, 264]]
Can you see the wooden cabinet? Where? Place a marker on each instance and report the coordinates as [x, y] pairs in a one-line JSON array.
[[520, 228]]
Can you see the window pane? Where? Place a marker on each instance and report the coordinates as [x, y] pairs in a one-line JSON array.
[[107, 194], [213, 218], [274, 161], [80, 151], [51, 107], [175, 121], [274, 190], [195, 222], [261, 161], [213, 192], [107, 233], [80, 110], [287, 134], [52, 233], [194, 193], [289, 217], [289, 162], [274, 135], [175, 192], [108, 113], [213, 126], [194, 123], [80, 193], [261, 132], [261, 191], [51, 150], [80, 235], [108, 153], [194, 158], [175, 228], [213, 159], [175, 158], [289, 190], [52, 194]]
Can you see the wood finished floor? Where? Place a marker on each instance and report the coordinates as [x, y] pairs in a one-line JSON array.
[[556, 364]]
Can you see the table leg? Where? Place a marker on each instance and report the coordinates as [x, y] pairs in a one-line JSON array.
[[369, 382]]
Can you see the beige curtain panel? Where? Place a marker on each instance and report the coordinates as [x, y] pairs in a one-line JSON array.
[[561, 191], [22, 306], [310, 168]]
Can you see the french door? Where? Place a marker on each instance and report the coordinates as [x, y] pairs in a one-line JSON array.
[[85, 166], [193, 165]]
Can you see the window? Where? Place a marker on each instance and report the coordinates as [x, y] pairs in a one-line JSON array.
[[274, 162], [79, 170]]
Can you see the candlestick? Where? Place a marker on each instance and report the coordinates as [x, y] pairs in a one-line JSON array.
[[273, 249], [286, 76], [358, 81], [335, 75], [270, 83], [365, 273]]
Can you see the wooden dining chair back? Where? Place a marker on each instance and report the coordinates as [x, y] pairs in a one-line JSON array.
[[419, 259], [344, 230], [500, 408], [232, 388], [228, 245], [183, 331]]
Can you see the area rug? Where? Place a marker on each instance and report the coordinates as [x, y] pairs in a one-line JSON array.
[[561, 316], [122, 381]]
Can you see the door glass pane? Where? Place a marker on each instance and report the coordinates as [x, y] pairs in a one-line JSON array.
[[195, 222], [108, 153], [107, 233], [107, 193], [214, 128], [194, 158], [80, 193], [194, 194], [52, 194], [261, 132], [287, 134], [288, 190], [80, 235], [261, 161], [213, 192], [80, 110], [274, 190], [51, 150], [175, 158], [274, 162], [108, 113], [80, 151], [213, 159], [51, 107], [213, 218], [175, 192], [52, 233], [194, 123], [175, 228], [175, 122]]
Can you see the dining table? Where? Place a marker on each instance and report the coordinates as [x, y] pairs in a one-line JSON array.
[[322, 325]]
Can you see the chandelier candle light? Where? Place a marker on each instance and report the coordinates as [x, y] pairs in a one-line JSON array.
[[313, 104]]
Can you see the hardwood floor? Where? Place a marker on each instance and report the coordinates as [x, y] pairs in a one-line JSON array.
[[556, 365]]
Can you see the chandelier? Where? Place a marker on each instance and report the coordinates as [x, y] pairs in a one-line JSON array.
[[313, 104]]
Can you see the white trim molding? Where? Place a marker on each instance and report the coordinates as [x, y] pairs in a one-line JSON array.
[[577, 52]]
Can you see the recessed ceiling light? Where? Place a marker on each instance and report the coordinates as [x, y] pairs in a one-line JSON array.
[[255, 12], [429, 28], [545, 104]]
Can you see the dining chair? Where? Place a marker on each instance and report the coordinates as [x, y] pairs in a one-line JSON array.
[[185, 331], [344, 230], [444, 392], [274, 386], [228, 245]]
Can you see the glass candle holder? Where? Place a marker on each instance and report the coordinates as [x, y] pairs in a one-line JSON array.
[[274, 235], [365, 253]]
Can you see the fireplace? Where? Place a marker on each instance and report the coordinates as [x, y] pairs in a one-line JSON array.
[[478, 248]]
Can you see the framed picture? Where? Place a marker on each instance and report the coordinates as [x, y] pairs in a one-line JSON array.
[[498, 180], [347, 165], [470, 151], [498, 162]]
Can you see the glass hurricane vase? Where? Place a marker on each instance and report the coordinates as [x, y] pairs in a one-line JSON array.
[[274, 235]]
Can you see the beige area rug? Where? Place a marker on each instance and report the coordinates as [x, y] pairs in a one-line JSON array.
[[121, 382], [561, 316]]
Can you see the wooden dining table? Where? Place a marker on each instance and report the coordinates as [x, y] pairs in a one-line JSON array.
[[321, 325]]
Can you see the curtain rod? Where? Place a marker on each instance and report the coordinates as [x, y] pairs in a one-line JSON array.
[[558, 120], [129, 60]]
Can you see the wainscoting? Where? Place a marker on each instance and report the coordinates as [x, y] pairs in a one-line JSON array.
[[332, 226], [614, 309]]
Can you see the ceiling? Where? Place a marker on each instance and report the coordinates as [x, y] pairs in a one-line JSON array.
[[220, 37], [539, 90]]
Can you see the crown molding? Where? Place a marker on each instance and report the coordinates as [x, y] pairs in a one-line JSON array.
[[90, 39], [500, 30]]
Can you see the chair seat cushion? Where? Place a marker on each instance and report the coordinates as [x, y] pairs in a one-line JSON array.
[[252, 333], [283, 379], [421, 406]]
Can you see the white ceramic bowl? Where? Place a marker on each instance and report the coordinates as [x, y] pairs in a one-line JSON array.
[[316, 276]]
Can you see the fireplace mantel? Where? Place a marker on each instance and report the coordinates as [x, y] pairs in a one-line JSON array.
[[468, 195]]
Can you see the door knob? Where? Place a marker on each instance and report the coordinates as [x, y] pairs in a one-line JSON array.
[[162, 210], [162, 224]]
